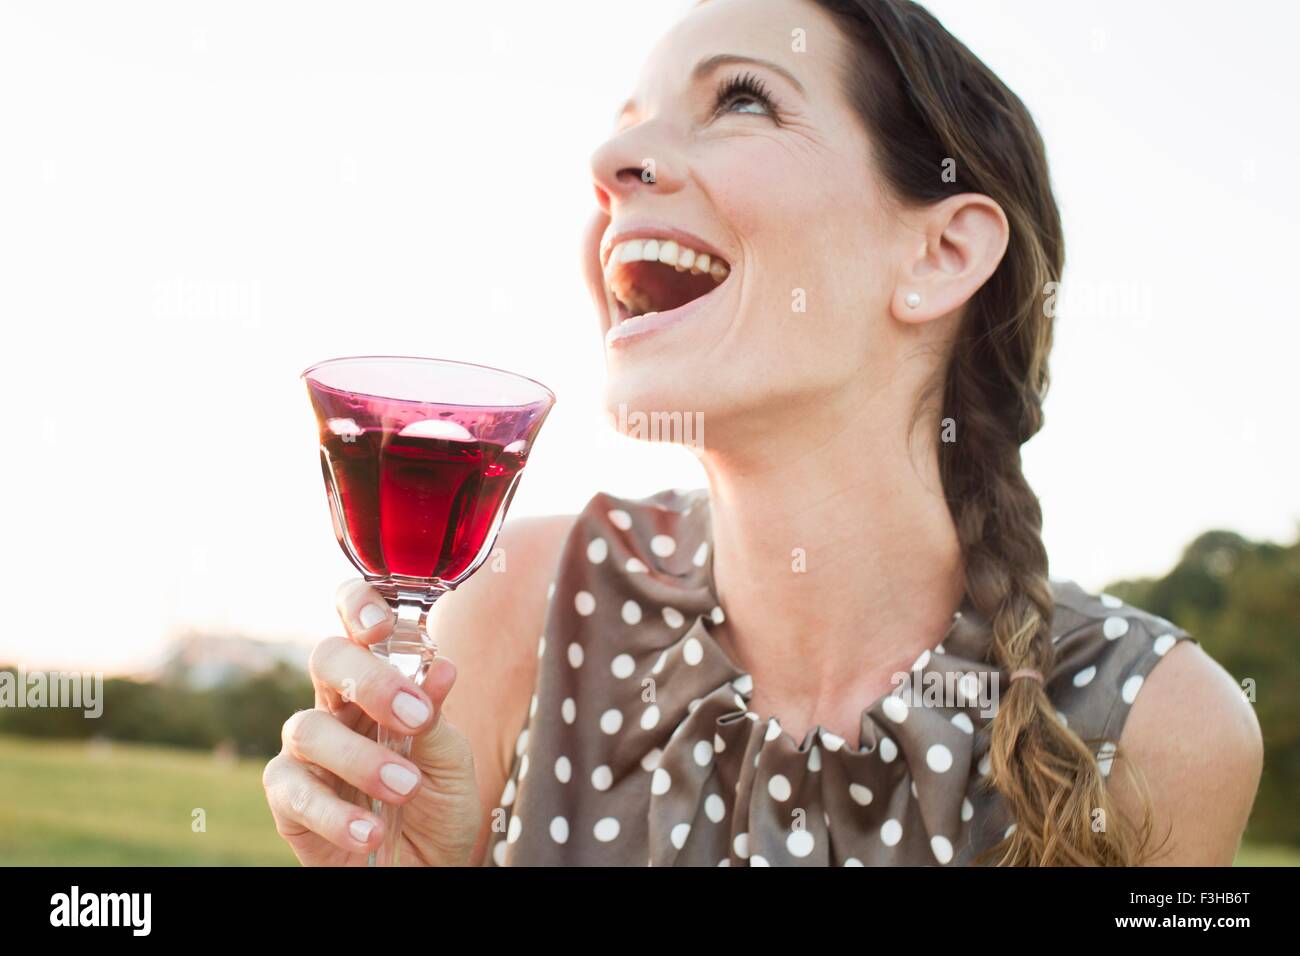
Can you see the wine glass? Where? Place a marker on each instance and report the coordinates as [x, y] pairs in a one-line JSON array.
[[421, 458]]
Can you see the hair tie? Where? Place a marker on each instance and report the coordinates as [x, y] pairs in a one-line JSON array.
[[1029, 672]]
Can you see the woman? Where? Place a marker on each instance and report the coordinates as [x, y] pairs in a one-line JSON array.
[[827, 230]]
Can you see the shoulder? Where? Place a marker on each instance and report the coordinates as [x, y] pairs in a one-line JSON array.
[[1195, 742], [1181, 722]]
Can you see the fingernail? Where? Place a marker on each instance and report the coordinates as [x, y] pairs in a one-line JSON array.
[[360, 830], [410, 709], [371, 615], [398, 778]]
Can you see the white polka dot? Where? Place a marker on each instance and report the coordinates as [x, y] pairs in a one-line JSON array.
[[800, 843], [719, 744], [1085, 676], [602, 778], [832, 742], [611, 721], [584, 603], [673, 617], [660, 782], [1109, 600], [1163, 643], [650, 717], [895, 708], [757, 860], [717, 616], [967, 809], [861, 795], [779, 787], [663, 545], [913, 788], [968, 688], [938, 758], [1008, 831], [532, 707], [703, 753], [773, 730], [724, 862], [1130, 689], [605, 830], [659, 664], [891, 832], [521, 742], [962, 723], [744, 683], [508, 795], [550, 590], [515, 827], [651, 760], [740, 845], [985, 764], [942, 849], [631, 612], [563, 769], [622, 666], [568, 710], [853, 861], [560, 830], [692, 651], [620, 519], [597, 550], [541, 646], [576, 655], [715, 808], [814, 759], [888, 750], [523, 767], [701, 554], [921, 661], [1115, 627], [1105, 755], [636, 566], [499, 853], [679, 834]]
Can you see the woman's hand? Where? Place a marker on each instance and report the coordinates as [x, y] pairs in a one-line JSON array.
[[320, 783]]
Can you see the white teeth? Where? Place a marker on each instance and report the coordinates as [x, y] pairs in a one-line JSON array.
[[685, 259], [629, 251], [668, 253], [701, 265], [650, 251], [718, 271]]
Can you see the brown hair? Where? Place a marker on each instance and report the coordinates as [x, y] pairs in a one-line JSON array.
[[926, 99]]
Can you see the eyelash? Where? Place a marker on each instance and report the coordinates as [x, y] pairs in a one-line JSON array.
[[744, 86]]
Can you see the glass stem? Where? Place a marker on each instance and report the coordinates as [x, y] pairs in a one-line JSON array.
[[409, 649]]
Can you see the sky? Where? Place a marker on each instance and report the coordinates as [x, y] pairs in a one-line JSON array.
[[198, 200]]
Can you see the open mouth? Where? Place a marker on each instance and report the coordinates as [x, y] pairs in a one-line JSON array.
[[647, 276]]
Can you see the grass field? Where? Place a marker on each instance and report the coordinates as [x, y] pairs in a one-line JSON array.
[[67, 803]]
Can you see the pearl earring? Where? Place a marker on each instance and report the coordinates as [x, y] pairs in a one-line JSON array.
[[913, 299]]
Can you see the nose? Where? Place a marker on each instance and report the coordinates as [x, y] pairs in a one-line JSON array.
[[641, 160]]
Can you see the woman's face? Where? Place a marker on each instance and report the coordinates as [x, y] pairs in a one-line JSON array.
[[759, 162]]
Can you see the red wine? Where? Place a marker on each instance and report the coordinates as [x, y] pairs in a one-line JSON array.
[[417, 507]]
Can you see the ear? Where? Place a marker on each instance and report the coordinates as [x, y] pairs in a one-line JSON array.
[[963, 238]]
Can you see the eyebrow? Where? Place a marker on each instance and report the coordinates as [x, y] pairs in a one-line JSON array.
[[711, 63]]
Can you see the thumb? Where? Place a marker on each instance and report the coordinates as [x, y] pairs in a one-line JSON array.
[[442, 752]]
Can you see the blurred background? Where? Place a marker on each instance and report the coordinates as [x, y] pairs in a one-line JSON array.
[[200, 199]]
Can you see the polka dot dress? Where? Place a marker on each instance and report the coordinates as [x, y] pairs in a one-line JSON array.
[[640, 747]]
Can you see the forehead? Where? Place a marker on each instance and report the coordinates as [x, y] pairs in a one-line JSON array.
[[795, 34]]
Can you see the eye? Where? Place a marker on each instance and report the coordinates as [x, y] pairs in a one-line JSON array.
[[745, 93]]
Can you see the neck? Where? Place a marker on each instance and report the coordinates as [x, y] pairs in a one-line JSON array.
[[835, 558]]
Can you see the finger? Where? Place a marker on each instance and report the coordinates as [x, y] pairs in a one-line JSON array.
[[313, 736], [354, 675], [301, 803], [366, 616]]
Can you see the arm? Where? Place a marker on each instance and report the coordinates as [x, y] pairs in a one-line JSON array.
[[1195, 740], [490, 627]]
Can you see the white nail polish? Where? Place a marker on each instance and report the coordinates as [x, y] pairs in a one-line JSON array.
[[360, 830], [410, 710], [398, 778], [371, 615]]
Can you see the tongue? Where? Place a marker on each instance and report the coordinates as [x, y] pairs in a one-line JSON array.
[[663, 287]]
